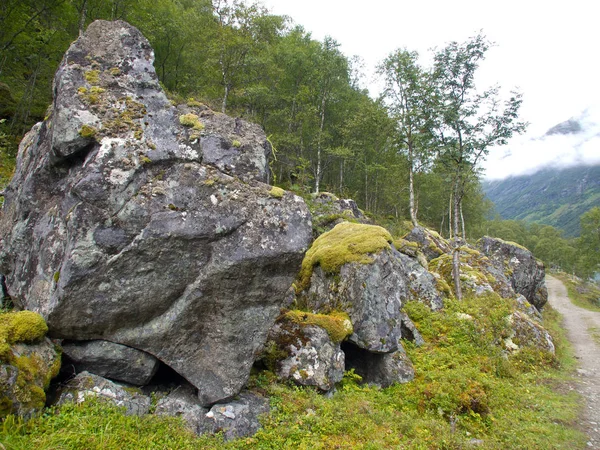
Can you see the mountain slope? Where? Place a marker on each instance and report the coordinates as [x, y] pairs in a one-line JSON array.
[[556, 197]]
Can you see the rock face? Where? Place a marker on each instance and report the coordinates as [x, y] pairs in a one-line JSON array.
[[237, 418], [430, 243], [110, 360], [131, 221], [306, 354], [328, 210], [87, 385], [526, 273]]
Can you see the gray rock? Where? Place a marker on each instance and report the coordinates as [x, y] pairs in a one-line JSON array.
[[526, 273], [430, 243], [409, 330], [307, 355], [22, 385], [328, 210], [238, 418], [120, 233], [526, 332], [86, 385], [525, 307], [371, 294], [379, 369], [110, 360], [183, 402]]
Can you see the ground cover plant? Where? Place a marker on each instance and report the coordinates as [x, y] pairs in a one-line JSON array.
[[467, 391]]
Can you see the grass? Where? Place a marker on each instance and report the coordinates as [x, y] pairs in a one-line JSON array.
[[583, 294], [465, 388]]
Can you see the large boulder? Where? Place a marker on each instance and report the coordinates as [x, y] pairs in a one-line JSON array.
[[328, 210], [131, 221], [28, 361], [525, 272], [305, 353], [110, 360], [87, 385]]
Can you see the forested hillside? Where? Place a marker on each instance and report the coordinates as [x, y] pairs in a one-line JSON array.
[[327, 133], [556, 197]]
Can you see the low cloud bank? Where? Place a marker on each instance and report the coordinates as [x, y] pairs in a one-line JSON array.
[[571, 143]]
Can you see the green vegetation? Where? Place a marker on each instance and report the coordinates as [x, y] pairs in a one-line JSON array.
[[21, 326], [88, 132], [465, 388], [33, 375], [337, 323], [192, 121], [347, 242], [276, 192]]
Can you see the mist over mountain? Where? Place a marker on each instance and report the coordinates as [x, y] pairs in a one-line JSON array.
[[550, 196], [572, 143]]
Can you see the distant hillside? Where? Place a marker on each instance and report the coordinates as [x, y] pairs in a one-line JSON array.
[[556, 197]]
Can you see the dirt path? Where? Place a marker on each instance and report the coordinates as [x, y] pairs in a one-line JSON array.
[[583, 329]]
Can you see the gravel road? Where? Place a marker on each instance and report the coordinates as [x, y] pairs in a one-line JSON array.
[[583, 329]]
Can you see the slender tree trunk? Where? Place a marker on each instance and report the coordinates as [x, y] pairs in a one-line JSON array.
[[411, 187], [319, 166], [341, 176], [457, 241], [225, 95], [462, 223], [82, 17], [450, 206]]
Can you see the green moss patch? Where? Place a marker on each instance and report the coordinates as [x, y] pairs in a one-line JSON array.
[[21, 326], [346, 242], [276, 192], [191, 121], [337, 324], [88, 132]]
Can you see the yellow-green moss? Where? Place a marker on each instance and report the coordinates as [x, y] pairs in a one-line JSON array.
[[236, 143], [21, 326], [88, 132], [346, 242], [92, 76], [192, 121], [194, 103], [276, 192], [114, 71], [337, 324]]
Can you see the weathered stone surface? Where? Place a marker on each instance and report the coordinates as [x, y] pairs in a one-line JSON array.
[[527, 308], [379, 369], [110, 360], [183, 402], [238, 418], [527, 332], [87, 385], [478, 275], [526, 273], [114, 229], [306, 355], [25, 373], [328, 210], [373, 295], [430, 243]]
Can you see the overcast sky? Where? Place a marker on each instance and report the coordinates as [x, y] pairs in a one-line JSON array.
[[548, 50]]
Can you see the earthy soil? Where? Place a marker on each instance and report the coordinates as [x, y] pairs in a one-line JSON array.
[[583, 329]]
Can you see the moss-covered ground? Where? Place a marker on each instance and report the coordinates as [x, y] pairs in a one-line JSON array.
[[467, 394]]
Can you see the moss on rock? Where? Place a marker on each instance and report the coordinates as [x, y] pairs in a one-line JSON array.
[[191, 121], [346, 242], [337, 323], [276, 192], [21, 326]]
